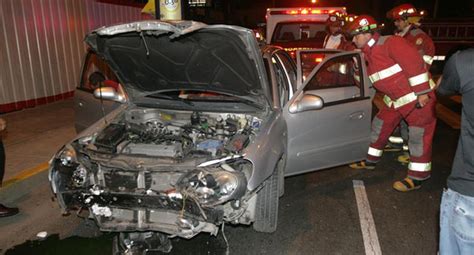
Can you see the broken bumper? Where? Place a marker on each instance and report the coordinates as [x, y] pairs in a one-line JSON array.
[[168, 213]]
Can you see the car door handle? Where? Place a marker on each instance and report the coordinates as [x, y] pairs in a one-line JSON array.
[[357, 115]]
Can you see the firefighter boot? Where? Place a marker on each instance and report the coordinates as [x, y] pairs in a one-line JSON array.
[[404, 159], [395, 144], [364, 164], [407, 184]]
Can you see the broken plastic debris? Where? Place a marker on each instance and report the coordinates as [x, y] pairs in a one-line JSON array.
[[102, 211], [42, 235], [96, 191], [175, 195]]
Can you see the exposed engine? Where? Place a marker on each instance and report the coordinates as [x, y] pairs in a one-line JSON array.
[[178, 173], [156, 133]]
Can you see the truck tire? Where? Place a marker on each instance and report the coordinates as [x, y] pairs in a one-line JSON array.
[[266, 217]]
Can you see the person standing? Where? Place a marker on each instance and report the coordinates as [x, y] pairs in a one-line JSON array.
[[406, 19], [397, 70], [336, 38], [4, 211], [457, 203]]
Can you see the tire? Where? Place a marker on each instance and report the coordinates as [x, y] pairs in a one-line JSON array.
[[266, 218], [281, 177]]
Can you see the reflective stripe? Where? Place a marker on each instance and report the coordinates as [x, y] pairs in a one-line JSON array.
[[419, 167], [395, 139], [375, 152], [432, 84], [357, 77], [439, 58], [406, 99], [387, 101], [428, 59], [343, 68], [371, 42], [385, 73], [419, 79]]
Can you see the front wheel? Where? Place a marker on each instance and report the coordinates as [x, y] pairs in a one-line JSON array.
[[266, 218]]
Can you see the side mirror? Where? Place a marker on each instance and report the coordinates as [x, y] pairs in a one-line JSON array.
[[109, 93], [306, 103], [96, 78]]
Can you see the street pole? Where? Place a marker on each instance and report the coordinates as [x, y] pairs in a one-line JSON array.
[[157, 9], [435, 11]]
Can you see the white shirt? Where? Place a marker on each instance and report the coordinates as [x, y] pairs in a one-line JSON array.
[[332, 41]]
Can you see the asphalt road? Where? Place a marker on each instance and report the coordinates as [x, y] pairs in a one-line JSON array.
[[318, 215]]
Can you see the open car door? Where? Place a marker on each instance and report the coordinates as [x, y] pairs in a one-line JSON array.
[[88, 109], [329, 116]]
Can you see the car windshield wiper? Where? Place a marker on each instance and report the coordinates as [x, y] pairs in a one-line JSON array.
[[168, 97], [252, 103]]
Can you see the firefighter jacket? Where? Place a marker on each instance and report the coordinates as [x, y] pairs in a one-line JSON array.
[[422, 42], [396, 69]]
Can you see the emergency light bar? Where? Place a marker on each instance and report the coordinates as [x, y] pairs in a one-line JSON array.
[[302, 11]]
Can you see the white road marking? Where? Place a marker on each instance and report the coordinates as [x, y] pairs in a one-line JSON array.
[[367, 224]]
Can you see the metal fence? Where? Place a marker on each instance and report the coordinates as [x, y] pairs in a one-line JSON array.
[[42, 49]]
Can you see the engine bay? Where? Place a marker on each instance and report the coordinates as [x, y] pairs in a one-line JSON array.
[[178, 135]]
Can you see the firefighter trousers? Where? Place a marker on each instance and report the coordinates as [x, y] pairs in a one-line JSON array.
[[421, 127]]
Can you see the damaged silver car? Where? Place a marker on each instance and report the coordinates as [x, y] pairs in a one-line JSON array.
[[207, 126]]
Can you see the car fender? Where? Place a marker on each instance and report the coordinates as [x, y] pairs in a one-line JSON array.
[[266, 149]]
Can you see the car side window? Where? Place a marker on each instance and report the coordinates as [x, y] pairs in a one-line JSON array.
[[96, 73], [283, 85], [338, 79], [290, 69]]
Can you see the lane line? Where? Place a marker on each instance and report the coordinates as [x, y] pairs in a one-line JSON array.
[[25, 174], [367, 224]]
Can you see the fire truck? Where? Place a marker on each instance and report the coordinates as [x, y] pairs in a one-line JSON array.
[[448, 37], [298, 28]]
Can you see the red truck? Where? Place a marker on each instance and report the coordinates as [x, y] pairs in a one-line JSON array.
[[448, 37]]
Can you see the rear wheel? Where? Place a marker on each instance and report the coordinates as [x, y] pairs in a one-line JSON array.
[[266, 218]]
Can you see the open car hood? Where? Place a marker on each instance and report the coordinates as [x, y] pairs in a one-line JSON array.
[[153, 56]]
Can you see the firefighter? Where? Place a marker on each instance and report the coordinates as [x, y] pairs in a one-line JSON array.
[[397, 70], [336, 38], [407, 21]]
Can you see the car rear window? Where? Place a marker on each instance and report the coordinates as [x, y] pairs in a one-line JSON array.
[[299, 31]]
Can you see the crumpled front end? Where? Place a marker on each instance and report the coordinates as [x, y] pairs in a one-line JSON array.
[[129, 184], [174, 202]]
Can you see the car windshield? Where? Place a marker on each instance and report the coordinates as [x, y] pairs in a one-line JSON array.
[[299, 31]]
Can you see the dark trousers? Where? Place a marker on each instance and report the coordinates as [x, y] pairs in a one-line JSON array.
[[2, 161]]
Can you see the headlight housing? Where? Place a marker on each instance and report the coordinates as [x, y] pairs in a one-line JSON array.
[[212, 186], [66, 165], [67, 155]]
